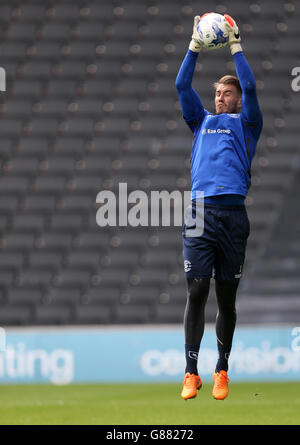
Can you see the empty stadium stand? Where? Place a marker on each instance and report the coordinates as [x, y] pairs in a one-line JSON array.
[[90, 102]]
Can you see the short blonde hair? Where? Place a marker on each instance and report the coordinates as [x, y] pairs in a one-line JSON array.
[[229, 80]]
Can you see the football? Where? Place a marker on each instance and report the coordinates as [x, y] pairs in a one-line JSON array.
[[212, 31]]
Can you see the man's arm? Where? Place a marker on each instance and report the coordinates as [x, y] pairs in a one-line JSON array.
[[191, 105], [250, 108]]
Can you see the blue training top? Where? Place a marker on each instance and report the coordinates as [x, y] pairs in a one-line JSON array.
[[224, 144]]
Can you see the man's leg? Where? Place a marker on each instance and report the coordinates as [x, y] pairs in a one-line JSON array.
[[226, 320], [198, 290], [233, 232], [225, 326]]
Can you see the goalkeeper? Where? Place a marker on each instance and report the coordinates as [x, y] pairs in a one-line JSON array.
[[223, 147]]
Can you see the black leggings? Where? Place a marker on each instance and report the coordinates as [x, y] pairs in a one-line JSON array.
[[194, 315]]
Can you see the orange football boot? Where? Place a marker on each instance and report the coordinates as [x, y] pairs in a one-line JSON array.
[[220, 389], [191, 384]]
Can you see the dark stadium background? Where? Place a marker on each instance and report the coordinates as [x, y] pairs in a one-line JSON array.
[[90, 102]]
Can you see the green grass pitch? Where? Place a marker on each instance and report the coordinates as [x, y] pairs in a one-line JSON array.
[[149, 404]]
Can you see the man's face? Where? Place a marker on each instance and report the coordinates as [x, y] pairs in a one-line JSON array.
[[227, 99]]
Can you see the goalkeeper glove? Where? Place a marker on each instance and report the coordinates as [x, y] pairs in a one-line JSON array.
[[195, 44], [234, 35]]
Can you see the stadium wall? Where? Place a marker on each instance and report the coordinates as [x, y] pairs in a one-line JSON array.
[[141, 354]]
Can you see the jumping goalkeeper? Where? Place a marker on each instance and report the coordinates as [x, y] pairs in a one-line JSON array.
[[223, 147]]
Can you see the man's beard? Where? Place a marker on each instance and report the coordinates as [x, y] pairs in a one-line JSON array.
[[233, 109]]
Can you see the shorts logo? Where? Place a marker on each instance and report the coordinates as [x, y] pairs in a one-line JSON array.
[[238, 275], [187, 265]]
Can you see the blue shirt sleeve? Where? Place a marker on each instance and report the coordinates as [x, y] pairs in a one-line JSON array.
[[192, 109], [250, 114]]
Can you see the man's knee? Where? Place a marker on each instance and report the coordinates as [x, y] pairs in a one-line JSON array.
[[226, 289], [198, 288], [226, 297]]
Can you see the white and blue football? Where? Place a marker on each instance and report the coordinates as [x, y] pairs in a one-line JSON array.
[[212, 31]]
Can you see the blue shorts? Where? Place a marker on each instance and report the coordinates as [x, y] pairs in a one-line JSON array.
[[220, 250]]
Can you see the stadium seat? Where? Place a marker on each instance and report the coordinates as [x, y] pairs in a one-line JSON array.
[[60, 240], [102, 294], [56, 314], [49, 183], [66, 221], [15, 184], [18, 314], [169, 313], [55, 31], [15, 107], [60, 88], [34, 276], [11, 260], [49, 260], [29, 221], [31, 12], [96, 11], [29, 296], [69, 296], [132, 313], [92, 314]]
